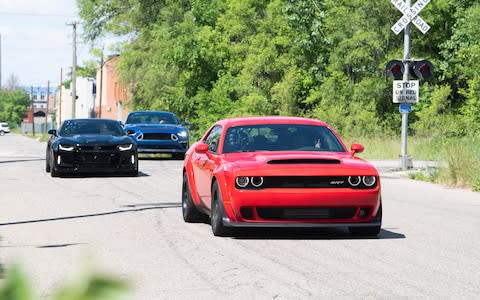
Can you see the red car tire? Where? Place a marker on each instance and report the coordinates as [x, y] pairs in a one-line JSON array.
[[217, 213], [189, 211]]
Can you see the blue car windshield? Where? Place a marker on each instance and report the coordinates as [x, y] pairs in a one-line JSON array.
[[151, 118], [91, 127], [281, 137]]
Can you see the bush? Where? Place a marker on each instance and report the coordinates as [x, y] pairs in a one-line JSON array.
[[91, 287]]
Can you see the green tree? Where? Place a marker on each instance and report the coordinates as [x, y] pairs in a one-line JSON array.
[[13, 106]]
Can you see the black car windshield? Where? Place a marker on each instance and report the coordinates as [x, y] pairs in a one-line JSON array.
[[91, 126], [151, 118], [281, 137]]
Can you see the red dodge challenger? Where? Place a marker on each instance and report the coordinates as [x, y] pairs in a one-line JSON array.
[[279, 172]]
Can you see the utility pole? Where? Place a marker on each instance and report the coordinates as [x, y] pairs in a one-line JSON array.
[[74, 68], [48, 99], [33, 111], [60, 99], [101, 87]]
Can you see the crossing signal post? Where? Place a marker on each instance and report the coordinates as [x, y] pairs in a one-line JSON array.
[[422, 69]]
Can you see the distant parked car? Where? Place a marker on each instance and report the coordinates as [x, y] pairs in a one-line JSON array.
[[158, 132], [279, 172], [91, 146], [4, 128]]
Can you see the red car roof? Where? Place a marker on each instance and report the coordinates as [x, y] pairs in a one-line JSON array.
[[269, 120]]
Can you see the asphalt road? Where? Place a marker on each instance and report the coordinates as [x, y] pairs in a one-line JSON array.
[[60, 228]]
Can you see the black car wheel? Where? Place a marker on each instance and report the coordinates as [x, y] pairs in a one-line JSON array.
[[134, 173], [53, 170], [216, 217], [189, 211], [47, 163], [368, 230]]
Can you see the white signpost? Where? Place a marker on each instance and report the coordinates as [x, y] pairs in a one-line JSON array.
[[406, 91]]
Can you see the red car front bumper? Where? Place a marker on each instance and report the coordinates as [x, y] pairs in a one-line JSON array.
[[313, 207]]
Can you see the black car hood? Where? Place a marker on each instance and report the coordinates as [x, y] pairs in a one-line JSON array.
[[92, 139], [171, 128]]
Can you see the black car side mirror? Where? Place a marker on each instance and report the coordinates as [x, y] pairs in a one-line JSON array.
[[185, 123], [52, 132]]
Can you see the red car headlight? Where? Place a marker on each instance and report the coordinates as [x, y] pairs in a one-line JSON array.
[[242, 181], [254, 182]]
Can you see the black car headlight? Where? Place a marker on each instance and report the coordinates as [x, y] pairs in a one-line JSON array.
[[125, 147], [66, 147]]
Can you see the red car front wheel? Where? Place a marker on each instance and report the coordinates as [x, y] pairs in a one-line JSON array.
[[217, 213]]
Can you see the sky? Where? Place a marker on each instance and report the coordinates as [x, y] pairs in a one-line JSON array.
[[36, 41]]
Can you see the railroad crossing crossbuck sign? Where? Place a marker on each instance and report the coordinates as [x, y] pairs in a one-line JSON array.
[[410, 14]]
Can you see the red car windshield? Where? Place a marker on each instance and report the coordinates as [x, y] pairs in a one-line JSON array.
[[281, 137]]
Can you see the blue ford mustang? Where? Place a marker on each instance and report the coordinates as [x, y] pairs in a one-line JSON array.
[[158, 132]]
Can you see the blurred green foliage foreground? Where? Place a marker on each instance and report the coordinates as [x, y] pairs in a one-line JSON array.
[[15, 286]]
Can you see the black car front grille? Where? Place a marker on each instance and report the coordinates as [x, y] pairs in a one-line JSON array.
[[96, 148], [305, 213], [96, 158], [157, 136]]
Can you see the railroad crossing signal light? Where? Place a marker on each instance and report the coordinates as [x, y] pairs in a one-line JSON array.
[[395, 69], [423, 69]]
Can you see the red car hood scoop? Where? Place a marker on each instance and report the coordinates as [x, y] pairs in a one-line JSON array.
[[292, 161]]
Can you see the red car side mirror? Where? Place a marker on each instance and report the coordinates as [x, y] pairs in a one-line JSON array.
[[356, 148], [201, 148]]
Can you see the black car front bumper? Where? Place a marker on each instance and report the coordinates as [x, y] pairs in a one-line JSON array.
[[95, 162]]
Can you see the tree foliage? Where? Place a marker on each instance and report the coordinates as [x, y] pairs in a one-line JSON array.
[[13, 106], [209, 59]]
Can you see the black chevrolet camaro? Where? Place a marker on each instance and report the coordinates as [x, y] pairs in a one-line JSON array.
[[91, 146]]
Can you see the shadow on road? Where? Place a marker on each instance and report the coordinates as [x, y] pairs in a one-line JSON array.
[[157, 206], [20, 160], [101, 175], [59, 245], [339, 233]]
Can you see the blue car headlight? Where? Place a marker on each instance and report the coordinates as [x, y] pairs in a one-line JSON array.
[[183, 134]]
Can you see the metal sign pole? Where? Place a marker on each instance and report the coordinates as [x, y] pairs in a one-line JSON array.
[[406, 60]]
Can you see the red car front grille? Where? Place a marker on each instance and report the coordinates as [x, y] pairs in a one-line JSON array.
[[304, 213]]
